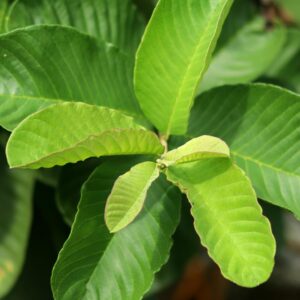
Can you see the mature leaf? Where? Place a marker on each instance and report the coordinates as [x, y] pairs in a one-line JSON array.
[[78, 69], [114, 21], [84, 131], [95, 264], [15, 221], [202, 147], [173, 57], [128, 195], [228, 219], [287, 66], [237, 62], [261, 125], [70, 180]]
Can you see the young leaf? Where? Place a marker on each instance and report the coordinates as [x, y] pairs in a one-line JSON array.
[[260, 123], [114, 21], [15, 221], [95, 264], [83, 131], [173, 56], [228, 219], [236, 62], [202, 147], [79, 68], [128, 194]]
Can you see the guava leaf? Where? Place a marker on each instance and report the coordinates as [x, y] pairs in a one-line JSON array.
[[80, 68], [261, 124], [202, 147], [69, 186], [15, 221], [71, 132], [237, 62], [228, 219], [128, 194], [114, 21], [95, 264], [173, 56]]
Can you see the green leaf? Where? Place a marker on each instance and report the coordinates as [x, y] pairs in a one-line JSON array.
[[195, 149], [128, 194], [260, 123], [228, 219], [84, 131], [3, 15], [69, 186], [79, 68], [95, 264], [236, 62], [173, 56], [15, 221], [114, 21]]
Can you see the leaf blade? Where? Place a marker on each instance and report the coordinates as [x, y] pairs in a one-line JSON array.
[[35, 142], [228, 219], [80, 69], [128, 195], [261, 140], [148, 251], [202, 147], [166, 97]]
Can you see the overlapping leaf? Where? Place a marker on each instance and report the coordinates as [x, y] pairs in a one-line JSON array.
[[228, 219], [42, 65], [15, 221], [3, 15], [71, 132], [261, 124], [173, 57], [114, 21], [95, 264], [245, 56], [195, 149], [128, 194]]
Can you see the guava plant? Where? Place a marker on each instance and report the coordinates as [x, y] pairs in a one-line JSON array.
[[76, 88]]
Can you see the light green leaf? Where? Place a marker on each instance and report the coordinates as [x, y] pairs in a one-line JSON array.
[[114, 21], [173, 56], [79, 68], [202, 147], [15, 221], [71, 132], [95, 264], [128, 194], [238, 62], [228, 219], [260, 123]]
